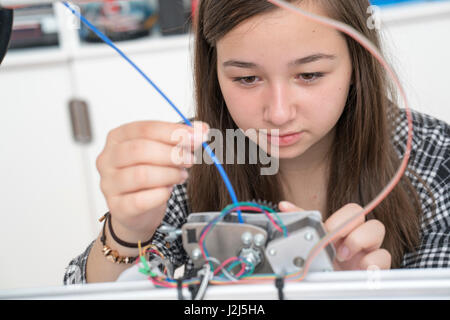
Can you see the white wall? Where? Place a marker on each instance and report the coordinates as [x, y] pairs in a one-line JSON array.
[[417, 38]]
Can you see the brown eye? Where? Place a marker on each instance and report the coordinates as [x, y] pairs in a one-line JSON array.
[[247, 81], [310, 77]]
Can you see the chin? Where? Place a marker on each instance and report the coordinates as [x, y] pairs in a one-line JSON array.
[[291, 152]]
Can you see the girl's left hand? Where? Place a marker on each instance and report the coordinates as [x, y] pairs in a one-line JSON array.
[[358, 247]]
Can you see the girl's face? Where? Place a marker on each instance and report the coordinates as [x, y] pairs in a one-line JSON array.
[[281, 71]]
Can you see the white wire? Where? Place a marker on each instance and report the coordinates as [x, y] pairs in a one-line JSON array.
[[205, 281], [224, 270]]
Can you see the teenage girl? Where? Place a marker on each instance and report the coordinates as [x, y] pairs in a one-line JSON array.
[[340, 138]]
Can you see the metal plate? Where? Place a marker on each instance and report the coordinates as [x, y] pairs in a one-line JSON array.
[[286, 255], [223, 242]]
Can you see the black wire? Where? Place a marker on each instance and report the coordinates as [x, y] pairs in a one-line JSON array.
[[180, 289], [279, 284], [193, 289], [6, 22]]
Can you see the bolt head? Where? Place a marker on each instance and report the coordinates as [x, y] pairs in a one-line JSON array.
[[259, 240], [299, 262], [309, 236], [196, 254], [247, 238]]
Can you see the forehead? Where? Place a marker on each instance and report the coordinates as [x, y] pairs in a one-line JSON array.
[[281, 30]]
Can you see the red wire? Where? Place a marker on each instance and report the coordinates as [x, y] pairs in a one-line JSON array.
[[227, 262]]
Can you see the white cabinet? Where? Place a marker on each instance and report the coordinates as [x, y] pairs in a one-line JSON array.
[[417, 39], [44, 204], [49, 185]]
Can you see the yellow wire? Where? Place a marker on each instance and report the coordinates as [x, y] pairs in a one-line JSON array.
[[139, 246]]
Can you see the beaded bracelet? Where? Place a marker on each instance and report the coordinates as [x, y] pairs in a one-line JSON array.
[[110, 254]]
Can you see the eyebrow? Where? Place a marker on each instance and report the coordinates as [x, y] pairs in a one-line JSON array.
[[301, 61]]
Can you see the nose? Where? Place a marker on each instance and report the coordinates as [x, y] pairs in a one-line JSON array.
[[280, 107]]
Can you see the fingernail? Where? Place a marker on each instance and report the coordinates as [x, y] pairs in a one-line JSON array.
[[198, 125], [205, 126], [205, 130], [200, 135], [184, 174], [201, 127], [343, 254], [287, 205]]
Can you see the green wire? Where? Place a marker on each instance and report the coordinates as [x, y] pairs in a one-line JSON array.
[[256, 205], [240, 262], [146, 270]]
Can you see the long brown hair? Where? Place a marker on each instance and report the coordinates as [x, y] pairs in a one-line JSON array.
[[363, 159]]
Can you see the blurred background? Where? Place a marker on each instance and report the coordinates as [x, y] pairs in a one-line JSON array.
[[62, 91]]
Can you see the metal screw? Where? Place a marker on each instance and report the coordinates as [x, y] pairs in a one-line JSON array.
[[251, 255], [259, 240], [166, 228], [309, 236], [196, 254], [247, 238], [299, 262], [272, 252]]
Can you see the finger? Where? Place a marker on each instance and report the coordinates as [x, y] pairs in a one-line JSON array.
[[286, 206], [188, 141], [164, 132], [380, 258], [136, 178], [337, 219], [136, 203], [367, 237], [140, 151], [201, 134]]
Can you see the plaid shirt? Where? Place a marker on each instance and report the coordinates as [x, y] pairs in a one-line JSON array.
[[430, 159]]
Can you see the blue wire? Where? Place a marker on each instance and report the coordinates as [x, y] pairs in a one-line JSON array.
[[204, 144]]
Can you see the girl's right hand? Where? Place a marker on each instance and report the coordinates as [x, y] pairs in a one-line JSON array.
[[139, 165]]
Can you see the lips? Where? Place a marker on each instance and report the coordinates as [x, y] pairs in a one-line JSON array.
[[284, 140], [284, 135]]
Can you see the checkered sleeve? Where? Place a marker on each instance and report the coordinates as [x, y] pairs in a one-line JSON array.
[[430, 159], [176, 215], [75, 272]]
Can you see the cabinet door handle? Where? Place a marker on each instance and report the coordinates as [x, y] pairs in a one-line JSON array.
[[81, 124]]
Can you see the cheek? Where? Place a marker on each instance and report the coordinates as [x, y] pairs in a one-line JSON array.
[[335, 97], [242, 107], [322, 115], [332, 99]]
